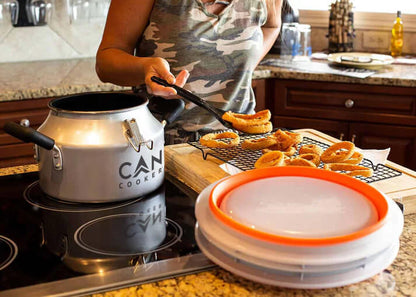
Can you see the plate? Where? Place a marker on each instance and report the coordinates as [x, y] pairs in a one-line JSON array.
[[295, 258], [361, 60], [297, 280], [298, 206]]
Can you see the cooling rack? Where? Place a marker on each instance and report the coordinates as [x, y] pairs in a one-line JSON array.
[[245, 159]]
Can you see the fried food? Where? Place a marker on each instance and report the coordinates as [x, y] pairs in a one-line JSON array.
[[261, 117], [258, 144], [258, 123], [356, 158], [299, 162], [349, 169], [216, 140], [254, 128], [338, 152], [314, 158], [288, 152], [311, 149], [270, 159]]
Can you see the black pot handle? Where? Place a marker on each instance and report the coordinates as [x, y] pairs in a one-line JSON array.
[[164, 109], [28, 134]]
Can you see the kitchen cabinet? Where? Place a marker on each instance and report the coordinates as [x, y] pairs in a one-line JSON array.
[[14, 152], [371, 116]]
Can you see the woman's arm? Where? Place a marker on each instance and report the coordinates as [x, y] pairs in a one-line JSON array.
[[115, 62], [271, 28]]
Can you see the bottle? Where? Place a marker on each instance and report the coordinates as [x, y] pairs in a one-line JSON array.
[[397, 36]]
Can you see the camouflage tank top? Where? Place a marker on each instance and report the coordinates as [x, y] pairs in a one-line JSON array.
[[219, 51]]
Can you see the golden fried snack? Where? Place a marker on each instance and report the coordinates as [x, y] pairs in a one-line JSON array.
[[261, 117], [258, 144], [286, 139], [270, 159], [338, 152], [311, 149], [254, 128], [299, 162], [288, 152], [314, 158], [215, 140], [349, 169], [356, 158]]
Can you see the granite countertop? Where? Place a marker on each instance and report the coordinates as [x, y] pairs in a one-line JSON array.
[[43, 79], [397, 280]]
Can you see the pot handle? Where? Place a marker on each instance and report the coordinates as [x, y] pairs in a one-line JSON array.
[[28, 134]]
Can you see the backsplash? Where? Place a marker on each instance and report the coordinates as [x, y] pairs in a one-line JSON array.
[[72, 34], [68, 34]]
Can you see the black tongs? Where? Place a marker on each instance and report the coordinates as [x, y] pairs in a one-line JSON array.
[[185, 94]]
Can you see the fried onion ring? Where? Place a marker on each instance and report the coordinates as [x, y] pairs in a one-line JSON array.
[[338, 152], [311, 149], [270, 159], [213, 140], [314, 158], [350, 169], [261, 117], [288, 152], [254, 128], [286, 139], [258, 144], [356, 158], [299, 162]]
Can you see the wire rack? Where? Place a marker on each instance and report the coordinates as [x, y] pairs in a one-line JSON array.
[[245, 159]]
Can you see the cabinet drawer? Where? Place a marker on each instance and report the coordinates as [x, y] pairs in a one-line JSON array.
[[351, 102]]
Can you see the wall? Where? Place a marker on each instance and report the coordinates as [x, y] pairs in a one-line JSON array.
[[61, 39]]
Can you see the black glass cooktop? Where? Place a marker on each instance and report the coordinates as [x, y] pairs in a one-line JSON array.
[[44, 240]]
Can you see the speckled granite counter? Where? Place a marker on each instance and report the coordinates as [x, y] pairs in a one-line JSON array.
[[45, 79], [398, 280]]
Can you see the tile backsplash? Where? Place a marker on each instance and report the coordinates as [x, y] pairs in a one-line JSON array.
[[73, 33]]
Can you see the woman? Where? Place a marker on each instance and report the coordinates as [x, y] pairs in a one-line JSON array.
[[209, 47]]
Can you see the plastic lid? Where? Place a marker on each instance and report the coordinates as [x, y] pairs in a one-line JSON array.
[[298, 206]]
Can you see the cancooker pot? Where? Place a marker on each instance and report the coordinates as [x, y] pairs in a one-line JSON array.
[[98, 147]]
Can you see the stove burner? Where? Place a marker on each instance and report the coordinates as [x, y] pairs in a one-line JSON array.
[[8, 251], [85, 238], [34, 195]]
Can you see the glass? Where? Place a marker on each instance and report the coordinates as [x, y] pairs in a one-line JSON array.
[[9, 10], [296, 42]]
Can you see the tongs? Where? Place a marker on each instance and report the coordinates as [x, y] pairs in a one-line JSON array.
[[185, 94]]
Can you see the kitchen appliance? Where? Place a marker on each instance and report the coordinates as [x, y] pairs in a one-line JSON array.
[[298, 227], [105, 246], [107, 144]]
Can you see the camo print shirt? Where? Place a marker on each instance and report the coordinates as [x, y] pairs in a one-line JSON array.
[[219, 51]]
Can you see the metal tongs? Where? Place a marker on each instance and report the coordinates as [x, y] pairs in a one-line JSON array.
[[185, 94]]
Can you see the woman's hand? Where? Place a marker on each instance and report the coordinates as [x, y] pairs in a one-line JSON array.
[[160, 67]]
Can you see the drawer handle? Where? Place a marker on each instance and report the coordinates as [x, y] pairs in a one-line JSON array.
[[353, 138], [341, 136], [349, 103]]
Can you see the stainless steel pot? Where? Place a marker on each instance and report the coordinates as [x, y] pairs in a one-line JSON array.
[[90, 238], [98, 147]]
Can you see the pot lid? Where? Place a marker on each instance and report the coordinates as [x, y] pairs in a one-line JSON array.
[[298, 206]]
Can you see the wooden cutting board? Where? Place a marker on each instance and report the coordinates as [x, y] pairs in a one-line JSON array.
[[186, 167]]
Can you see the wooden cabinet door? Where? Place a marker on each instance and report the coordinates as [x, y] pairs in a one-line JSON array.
[[334, 128], [14, 152], [259, 88], [401, 140]]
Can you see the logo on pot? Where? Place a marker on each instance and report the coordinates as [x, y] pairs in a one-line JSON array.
[[140, 172]]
